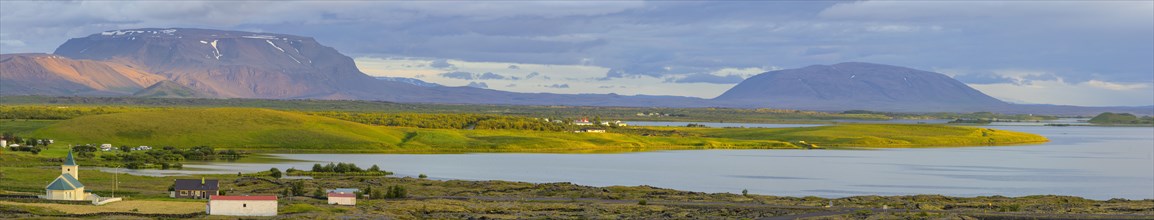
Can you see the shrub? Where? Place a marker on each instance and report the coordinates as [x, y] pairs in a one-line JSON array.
[[275, 173]]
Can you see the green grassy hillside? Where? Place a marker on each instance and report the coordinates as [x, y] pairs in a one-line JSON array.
[[275, 131], [222, 127]]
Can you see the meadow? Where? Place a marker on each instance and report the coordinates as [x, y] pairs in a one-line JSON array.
[[264, 130]]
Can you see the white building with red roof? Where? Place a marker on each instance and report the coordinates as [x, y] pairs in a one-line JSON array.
[[341, 198], [242, 205]]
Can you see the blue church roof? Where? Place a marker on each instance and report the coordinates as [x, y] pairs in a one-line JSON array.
[[65, 182]]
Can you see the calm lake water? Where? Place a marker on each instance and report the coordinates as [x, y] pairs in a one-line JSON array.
[[1091, 162]]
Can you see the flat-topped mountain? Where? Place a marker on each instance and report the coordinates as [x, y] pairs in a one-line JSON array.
[[846, 86], [235, 64], [230, 64]]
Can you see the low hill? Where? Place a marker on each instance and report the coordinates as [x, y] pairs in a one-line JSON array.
[[224, 127], [1120, 118], [277, 131], [847, 86]]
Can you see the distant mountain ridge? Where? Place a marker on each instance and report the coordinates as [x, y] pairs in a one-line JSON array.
[[186, 62]]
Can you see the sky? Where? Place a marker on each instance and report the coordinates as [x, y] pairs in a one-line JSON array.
[[1090, 53]]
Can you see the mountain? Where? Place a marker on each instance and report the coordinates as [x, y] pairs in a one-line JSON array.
[[186, 62], [44, 74], [231, 64], [235, 64], [847, 86], [170, 89]]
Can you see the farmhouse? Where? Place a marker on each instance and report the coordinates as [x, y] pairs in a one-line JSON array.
[[336, 198], [67, 186], [242, 205], [194, 188]]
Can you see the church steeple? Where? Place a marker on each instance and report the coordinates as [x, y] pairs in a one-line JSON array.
[[69, 167], [68, 160]]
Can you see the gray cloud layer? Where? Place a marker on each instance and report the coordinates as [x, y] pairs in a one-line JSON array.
[[1077, 41]]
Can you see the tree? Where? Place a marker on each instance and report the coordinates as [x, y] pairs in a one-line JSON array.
[[298, 188], [369, 191], [275, 173], [125, 149], [374, 168], [318, 168], [319, 193], [744, 192]]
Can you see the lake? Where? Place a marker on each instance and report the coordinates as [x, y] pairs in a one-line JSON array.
[[1091, 162]]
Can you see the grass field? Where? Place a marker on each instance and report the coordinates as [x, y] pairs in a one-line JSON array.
[[138, 206], [262, 130]]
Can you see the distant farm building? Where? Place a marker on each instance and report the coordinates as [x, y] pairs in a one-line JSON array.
[[591, 130], [337, 198], [242, 205], [583, 121], [195, 188]]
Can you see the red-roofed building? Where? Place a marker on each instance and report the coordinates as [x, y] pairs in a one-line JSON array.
[[242, 205], [338, 198]]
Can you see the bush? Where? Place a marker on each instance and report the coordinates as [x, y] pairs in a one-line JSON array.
[[422, 176], [275, 173], [643, 202]]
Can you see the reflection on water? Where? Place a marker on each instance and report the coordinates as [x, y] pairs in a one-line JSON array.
[[1092, 162]]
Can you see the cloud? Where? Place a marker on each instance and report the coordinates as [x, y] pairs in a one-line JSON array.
[[1116, 86], [478, 85], [490, 76], [531, 75], [441, 63], [557, 86], [994, 78], [510, 85], [706, 78], [513, 67], [458, 75], [1091, 93]]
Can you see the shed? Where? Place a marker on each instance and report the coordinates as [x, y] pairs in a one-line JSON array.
[[343, 199]]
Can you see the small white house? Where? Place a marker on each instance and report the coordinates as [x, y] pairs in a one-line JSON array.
[[242, 205], [106, 146], [3, 143], [337, 198], [142, 148]]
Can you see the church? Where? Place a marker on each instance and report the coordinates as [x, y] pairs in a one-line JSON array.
[[67, 186]]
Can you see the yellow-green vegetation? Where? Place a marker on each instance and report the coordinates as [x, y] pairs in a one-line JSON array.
[[271, 130], [882, 135], [254, 129], [22, 127]]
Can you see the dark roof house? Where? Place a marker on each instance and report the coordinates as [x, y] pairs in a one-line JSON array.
[[194, 188]]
